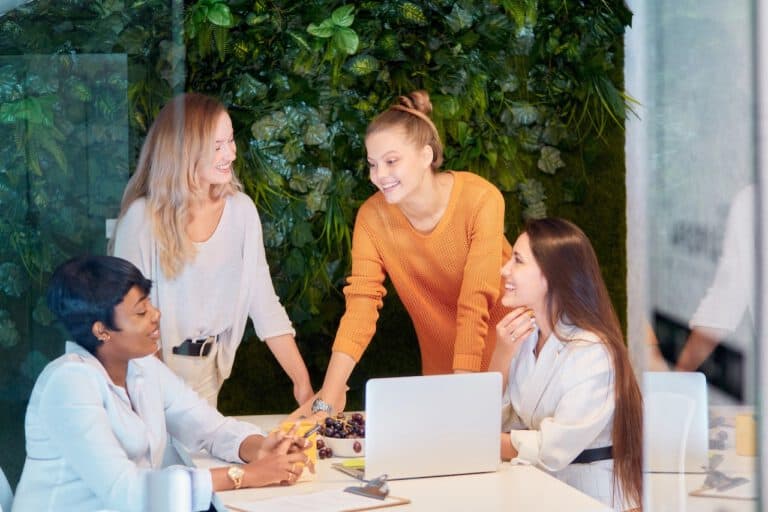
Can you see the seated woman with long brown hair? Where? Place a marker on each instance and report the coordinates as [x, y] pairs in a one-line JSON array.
[[576, 407]]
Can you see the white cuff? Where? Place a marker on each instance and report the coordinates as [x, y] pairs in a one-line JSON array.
[[526, 442]]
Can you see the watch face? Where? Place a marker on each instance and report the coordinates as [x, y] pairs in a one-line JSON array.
[[236, 474]]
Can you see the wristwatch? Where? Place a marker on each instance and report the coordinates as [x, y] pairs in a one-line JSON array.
[[320, 405], [236, 474]]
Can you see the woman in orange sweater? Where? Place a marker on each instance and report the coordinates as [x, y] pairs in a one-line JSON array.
[[439, 236]]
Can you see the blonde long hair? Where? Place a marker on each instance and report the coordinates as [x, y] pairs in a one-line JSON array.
[[179, 145], [576, 291]]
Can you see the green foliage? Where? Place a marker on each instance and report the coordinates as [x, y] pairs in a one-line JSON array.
[[524, 92], [495, 71], [519, 87], [66, 71]]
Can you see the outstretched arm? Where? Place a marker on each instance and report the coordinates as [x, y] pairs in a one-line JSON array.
[[287, 354], [334, 390]]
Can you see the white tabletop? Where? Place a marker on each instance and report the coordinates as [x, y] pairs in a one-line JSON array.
[[671, 492], [513, 487]]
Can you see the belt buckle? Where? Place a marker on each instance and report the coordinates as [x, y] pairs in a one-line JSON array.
[[195, 348], [205, 346]]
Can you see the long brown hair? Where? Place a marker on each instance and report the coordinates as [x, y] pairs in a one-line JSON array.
[[179, 144], [576, 292], [412, 113]]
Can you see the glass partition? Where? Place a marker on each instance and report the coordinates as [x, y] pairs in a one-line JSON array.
[[68, 72], [692, 227]]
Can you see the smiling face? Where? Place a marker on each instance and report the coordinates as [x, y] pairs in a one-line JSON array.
[[138, 322], [398, 167], [219, 170], [524, 283]]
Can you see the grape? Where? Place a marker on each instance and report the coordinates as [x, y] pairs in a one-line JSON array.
[[341, 426]]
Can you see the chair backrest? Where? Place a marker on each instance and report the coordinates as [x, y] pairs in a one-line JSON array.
[[676, 422], [6, 494]]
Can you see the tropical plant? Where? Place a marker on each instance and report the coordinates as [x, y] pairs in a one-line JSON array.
[[514, 83], [527, 93], [66, 73]]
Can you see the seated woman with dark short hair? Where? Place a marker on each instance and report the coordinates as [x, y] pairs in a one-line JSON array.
[[99, 416]]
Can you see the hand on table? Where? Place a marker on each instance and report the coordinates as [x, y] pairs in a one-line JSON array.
[[305, 409], [279, 441], [280, 459], [278, 467]]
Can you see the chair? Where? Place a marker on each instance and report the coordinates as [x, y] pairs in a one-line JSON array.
[[6, 493], [676, 422]]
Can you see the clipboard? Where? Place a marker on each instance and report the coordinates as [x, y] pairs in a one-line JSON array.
[[718, 485], [334, 500], [389, 501], [376, 490]]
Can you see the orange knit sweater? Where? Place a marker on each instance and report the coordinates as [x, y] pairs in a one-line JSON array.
[[449, 280]]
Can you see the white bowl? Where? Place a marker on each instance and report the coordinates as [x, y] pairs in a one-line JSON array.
[[345, 447]]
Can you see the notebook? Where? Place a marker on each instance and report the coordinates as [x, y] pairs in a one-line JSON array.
[[431, 426], [676, 423]]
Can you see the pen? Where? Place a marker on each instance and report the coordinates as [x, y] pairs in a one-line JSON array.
[[312, 430]]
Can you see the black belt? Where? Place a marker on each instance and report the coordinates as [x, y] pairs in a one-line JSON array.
[[593, 455], [190, 347]]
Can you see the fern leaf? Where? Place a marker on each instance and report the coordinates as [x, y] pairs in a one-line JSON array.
[[221, 38], [54, 149]]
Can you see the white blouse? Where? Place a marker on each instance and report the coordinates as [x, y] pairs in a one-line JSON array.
[[90, 447], [227, 282], [561, 404]]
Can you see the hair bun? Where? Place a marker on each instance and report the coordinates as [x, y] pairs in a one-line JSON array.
[[417, 100]]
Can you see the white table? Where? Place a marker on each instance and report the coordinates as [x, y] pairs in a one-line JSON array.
[[517, 488], [670, 492]]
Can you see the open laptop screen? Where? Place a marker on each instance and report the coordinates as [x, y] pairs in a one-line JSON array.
[[432, 425]]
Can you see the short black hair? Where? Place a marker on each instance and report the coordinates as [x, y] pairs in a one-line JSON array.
[[86, 289]]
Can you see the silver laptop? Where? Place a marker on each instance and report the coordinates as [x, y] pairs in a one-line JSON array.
[[676, 422], [432, 425]]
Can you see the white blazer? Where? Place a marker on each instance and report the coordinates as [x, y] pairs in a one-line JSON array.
[[561, 404], [90, 447]]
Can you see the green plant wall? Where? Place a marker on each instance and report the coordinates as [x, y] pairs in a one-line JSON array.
[[527, 93]]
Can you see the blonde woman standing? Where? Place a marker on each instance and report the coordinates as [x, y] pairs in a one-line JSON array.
[[185, 223]]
